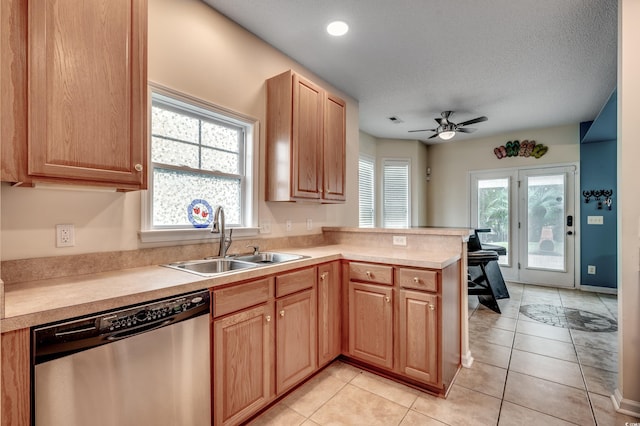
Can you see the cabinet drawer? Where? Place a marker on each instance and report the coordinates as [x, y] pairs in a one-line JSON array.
[[379, 274], [418, 279], [295, 281], [241, 296]]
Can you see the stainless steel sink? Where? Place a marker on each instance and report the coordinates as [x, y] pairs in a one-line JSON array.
[[211, 267], [269, 257]]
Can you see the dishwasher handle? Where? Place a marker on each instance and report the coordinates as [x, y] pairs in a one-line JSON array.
[[143, 329]]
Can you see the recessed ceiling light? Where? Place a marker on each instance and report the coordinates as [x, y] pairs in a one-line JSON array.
[[337, 28]]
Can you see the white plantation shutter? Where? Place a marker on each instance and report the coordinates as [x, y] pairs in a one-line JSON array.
[[366, 185], [395, 193]]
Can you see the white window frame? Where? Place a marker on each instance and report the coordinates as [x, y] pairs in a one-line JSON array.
[[372, 161], [149, 234], [396, 162]]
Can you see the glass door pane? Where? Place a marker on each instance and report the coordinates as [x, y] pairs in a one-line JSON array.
[[493, 213], [546, 215]]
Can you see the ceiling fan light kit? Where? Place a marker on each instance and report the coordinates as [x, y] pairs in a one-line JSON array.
[[447, 129]]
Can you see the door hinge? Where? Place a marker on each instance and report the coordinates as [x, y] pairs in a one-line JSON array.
[[518, 265], [518, 225], [519, 184]]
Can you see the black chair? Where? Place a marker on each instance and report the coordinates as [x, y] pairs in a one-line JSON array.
[[485, 278]]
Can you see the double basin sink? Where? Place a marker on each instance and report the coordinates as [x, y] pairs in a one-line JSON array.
[[217, 266]]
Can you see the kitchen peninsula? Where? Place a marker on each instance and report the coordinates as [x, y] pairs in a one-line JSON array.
[[410, 296]]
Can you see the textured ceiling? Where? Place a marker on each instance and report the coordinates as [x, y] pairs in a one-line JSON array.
[[524, 64]]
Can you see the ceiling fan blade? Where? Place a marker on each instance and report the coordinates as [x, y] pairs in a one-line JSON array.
[[434, 136], [466, 129], [423, 130], [473, 121]]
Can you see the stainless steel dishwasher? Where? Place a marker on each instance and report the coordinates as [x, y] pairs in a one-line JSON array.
[[141, 365]]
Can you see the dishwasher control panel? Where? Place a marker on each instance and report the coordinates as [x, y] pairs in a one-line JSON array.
[[55, 340], [152, 313]]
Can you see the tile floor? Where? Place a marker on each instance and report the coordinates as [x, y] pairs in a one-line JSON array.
[[526, 372]]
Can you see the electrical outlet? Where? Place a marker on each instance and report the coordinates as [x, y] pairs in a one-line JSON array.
[[288, 225], [265, 227], [591, 269], [399, 240], [309, 224], [65, 235]]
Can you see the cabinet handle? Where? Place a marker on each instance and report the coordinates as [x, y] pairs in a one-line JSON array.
[[432, 307], [323, 276], [268, 318], [387, 299], [138, 167], [416, 280], [282, 313], [368, 274]]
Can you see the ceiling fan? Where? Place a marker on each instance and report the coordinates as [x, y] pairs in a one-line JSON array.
[[447, 129]]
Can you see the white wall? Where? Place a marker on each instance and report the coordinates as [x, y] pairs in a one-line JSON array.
[[195, 50], [627, 396], [451, 162]]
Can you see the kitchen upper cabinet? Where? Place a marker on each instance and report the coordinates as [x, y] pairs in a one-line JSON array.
[[371, 323], [418, 338], [85, 103], [306, 141], [329, 312], [242, 363]]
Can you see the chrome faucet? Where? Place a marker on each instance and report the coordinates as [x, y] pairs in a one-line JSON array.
[[218, 227]]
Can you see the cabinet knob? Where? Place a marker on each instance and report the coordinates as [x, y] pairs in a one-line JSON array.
[[138, 167], [323, 276], [416, 280], [432, 307], [387, 299], [282, 313], [368, 274], [268, 318]]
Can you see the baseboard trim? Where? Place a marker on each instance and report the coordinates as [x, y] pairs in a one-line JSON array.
[[596, 289], [467, 360], [625, 406]]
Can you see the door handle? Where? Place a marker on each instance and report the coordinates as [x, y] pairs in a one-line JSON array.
[[569, 232]]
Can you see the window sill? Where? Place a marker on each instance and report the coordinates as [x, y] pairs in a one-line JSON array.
[[174, 235]]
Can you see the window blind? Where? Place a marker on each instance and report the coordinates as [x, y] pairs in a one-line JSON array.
[[395, 187], [366, 185]]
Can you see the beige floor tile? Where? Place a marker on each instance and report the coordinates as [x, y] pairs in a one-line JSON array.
[[396, 392], [543, 330], [607, 341], [355, 406], [309, 423], [544, 367], [598, 358], [314, 393], [279, 415], [343, 371], [565, 402], [413, 418], [516, 415], [548, 347], [493, 319], [490, 335], [490, 353], [606, 414], [462, 407], [600, 381], [483, 378]]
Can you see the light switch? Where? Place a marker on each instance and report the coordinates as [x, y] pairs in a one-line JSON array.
[[595, 220]]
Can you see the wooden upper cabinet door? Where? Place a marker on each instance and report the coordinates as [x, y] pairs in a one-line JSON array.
[[308, 101], [419, 335], [87, 98], [334, 163]]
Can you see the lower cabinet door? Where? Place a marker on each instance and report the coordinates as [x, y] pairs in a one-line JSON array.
[[329, 312], [296, 341], [242, 357], [418, 335], [371, 323]]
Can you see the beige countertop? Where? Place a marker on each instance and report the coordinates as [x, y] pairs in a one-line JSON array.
[[38, 302]]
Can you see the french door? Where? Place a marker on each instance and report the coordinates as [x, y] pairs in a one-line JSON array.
[[531, 213]]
